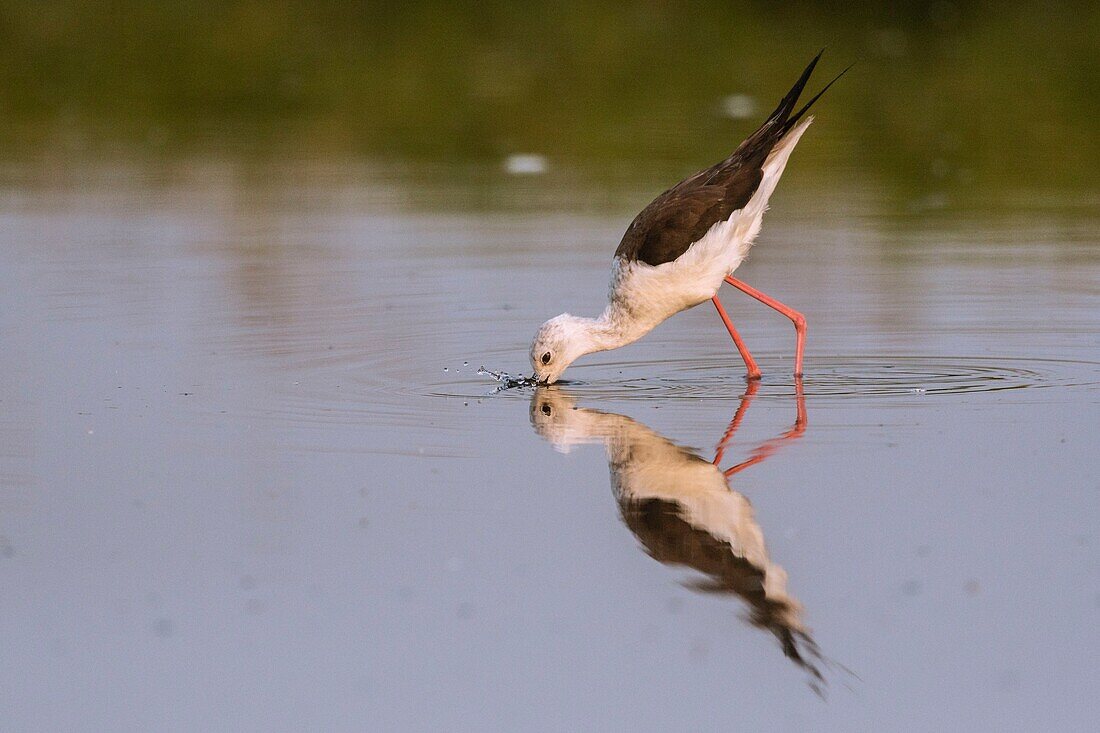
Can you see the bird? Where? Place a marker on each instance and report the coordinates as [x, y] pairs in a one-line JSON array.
[[684, 512], [679, 249]]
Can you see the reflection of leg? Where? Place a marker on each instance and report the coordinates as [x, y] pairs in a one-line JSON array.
[[769, 447], [750, 363], [736, 421], [797, 318], [800, 406]]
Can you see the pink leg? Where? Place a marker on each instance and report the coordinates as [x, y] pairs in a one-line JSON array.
[[736, 421], [750, 363], [766, 449], [797, 318]]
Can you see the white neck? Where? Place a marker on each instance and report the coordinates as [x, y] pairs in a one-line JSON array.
[[614, 328]]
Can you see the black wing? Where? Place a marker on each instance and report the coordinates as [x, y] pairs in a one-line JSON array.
[[680, 216]]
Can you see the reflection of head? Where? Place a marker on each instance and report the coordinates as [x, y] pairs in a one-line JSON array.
[[553, 417], [683, 511]]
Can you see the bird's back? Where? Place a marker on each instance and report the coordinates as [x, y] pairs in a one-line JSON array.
[[681, 216]]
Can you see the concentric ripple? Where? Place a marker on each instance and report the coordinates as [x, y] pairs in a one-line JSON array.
[[838, 376], [354, 392]]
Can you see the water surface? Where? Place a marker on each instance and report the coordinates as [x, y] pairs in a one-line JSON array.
[[251, 480]]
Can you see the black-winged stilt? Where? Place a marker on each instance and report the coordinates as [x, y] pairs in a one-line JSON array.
[[681, 248]]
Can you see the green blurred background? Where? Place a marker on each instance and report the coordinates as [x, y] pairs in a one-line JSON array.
[[993, 101]]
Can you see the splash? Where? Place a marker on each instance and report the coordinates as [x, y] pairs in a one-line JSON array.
[[508, 381]]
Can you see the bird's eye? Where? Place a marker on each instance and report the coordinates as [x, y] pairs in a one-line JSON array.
[[546, 358], [546, 410]]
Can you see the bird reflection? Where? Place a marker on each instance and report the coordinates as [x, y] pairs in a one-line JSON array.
[[683, 511]]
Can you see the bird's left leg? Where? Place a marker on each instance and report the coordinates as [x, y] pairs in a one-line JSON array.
[[797, 318]]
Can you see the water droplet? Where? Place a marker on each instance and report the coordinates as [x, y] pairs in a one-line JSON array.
[[507, 381]]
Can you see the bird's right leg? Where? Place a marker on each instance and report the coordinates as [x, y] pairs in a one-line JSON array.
[[750, 363], [797, 318]]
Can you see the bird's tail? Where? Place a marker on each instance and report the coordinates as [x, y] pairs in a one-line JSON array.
[[784, 118], [782, 113]]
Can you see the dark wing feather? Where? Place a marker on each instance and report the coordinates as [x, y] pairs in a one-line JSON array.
[[682, 215]]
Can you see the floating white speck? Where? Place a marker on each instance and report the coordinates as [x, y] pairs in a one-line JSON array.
[[525, 164], [738, 106]]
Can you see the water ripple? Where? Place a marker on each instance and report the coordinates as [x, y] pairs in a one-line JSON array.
[[838, 376]]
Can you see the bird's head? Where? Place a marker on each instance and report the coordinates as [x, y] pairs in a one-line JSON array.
[[558, 343]]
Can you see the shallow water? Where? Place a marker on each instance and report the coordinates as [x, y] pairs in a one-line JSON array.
[[251, 479]]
